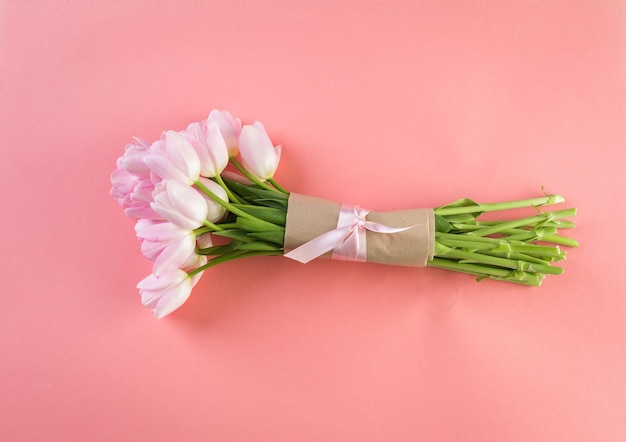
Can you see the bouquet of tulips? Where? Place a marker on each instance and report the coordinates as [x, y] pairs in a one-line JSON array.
[[215, 180]]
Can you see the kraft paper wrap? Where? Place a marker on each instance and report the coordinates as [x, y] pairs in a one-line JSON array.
[[308, 217]]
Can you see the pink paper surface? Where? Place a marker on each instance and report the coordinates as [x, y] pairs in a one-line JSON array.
[[389, 105]]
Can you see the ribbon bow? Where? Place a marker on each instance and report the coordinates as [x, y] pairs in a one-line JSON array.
[[347, 241]]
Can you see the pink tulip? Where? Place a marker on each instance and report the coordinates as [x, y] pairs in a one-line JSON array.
[[129, 171], [215, 211], [180, 204], [258, 154], [132, 193], [123, 183], [229, 127], [209, 144], [140, 200], [165, 293], [174, 158], [168, 246], [133, 157], [194, 263]]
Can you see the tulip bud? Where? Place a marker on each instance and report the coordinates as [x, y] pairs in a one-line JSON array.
[[229, 127], [180, 204], [209, 144], [168, 246], [174, 158], [258, 155], [215, 211], [164, 294], [132, 160]]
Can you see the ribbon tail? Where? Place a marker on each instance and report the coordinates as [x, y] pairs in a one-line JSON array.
[[319, 245], [381, 228]]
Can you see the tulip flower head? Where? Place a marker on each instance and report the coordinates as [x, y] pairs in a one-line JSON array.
[[258, 155], [130, 170], [180, 204], [208, 142], [141, 200], [215, 211], [174, 158], [131, 182], [133, 157], [229, 127], [168, 246], [165, 293], [123, 182]]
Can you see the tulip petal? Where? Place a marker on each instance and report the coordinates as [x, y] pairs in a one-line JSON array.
[[230, 128], [215, 211], [175, 255], [258, 155], [204, 241], [173, 299], [182, 155], [217, 149], [180, 204], [158, 231], [165, 293], [187, 201], [164, 168]]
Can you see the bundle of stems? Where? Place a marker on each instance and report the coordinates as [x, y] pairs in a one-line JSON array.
[[521, 250]]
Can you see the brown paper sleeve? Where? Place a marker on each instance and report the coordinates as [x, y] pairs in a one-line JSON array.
[[308, 217]]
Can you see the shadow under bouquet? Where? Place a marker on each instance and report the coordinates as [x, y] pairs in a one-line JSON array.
[[206, 195]]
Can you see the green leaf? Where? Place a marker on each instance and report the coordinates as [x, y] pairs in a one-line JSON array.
[[237, 234], [269, 214], [461, 218], [256, 226], [441, 224], [262, 193], [258, 246], [252, 192], [463, 202], [215, 250], [268, 202], [277, 237]]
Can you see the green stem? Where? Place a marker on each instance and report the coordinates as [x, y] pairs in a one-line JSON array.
[[210, 225], [529, 279], [520, 257], [469, 238], [480, 258], [541, 201], [557, 223], [538, 235], [234, 209], [251, 177], [228, 226], [231, 196], [523, 222], [518, 277], [562, 240], [472, 269], [233, 255], [545, 234], [278, 186], [202, 230]]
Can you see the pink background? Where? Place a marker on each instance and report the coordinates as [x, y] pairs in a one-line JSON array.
[[387, 104]]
